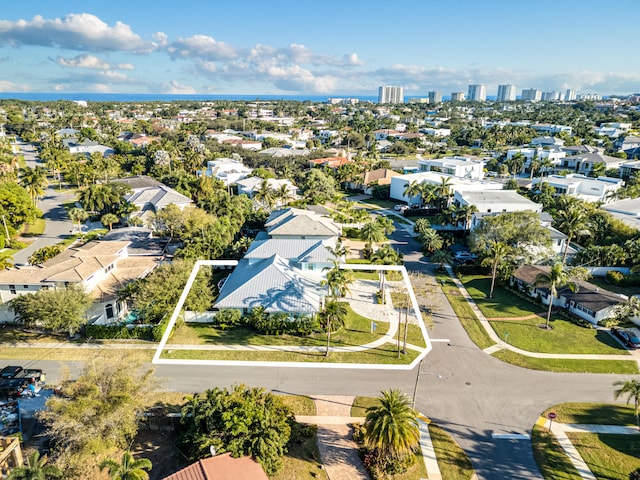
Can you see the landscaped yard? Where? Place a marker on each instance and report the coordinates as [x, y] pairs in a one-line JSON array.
[[568, 365], [608, 456], [602, 283]]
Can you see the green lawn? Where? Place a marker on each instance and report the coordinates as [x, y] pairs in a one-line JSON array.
[[467, 318], [384, 354], [602, 283], [35, 228], [593, 413], [566, 337], [610, 457], [302, 460], [550, 457], [299, 404], [360, 405], [452, 460], [503, 304], [568, 365]]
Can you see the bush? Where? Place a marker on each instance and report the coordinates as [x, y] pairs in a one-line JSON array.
[[119, 331], [281, 323], [609, 322], [227, 318], [614, 277], [351, 232]]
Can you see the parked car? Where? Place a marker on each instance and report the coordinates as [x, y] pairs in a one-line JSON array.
[[464, 257], [627, 337], [400, 208]]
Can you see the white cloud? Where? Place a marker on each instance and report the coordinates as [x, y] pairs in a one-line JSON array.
[[175, 88], [91, 62], [76, 31], [201, 46], [6, 86]]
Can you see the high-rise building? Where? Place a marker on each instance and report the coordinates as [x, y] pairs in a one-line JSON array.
[[551, 96], [389, 94], [531, 94], [477, 93], [457, 96], [435, 97], [506, 93], [570, 95]]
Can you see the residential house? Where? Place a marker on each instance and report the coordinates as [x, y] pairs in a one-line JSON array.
[[227, 170], [463, 167], [302, 224], [554, 156], [584, 163], [366, 181], [626, 210], [629, 145], [629, 169], [243, 143], [221, 467], [587, 301], [330, 162], [599, 189], [248, 186], [494, 202], [99, 267], [547, 142], [151, 196], [278, 152]]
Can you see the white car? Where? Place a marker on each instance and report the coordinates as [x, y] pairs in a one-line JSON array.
[[400, 208]]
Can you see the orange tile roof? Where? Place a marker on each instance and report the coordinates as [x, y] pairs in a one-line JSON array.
[[331, 162], [221, 467]]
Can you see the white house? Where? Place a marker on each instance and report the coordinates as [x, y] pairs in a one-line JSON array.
[[248, 186], [99, 267], [492, 202], [554, 155], [586, 188], [457, 166], [227, 170], [583, 163], [301, 224], [457, 184]]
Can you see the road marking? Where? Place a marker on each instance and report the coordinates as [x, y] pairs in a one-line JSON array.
[[510, 436], [440, 340]]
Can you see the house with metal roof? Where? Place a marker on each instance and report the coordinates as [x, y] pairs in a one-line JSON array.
[[298, 223]]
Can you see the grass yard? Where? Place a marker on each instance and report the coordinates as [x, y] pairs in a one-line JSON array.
[[35, 228], [299, 404], [550, 457], [593, 413], [302, 460], [610, 457], [602, 283], [503, 304], [452, 460], [360, 405], [568, 365], [385, 354], [72, 354], [467, 318], [566, 337]]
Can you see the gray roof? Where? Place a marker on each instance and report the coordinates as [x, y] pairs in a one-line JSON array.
[[591, 297], [293, 221], [299, 250], [272, 284], [158, 197], [142, 240], [139, 181]]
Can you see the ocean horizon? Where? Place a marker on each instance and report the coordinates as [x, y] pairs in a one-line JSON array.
[[167, 97]]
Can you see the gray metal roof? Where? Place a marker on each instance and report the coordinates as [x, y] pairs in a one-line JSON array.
[[307, 250]]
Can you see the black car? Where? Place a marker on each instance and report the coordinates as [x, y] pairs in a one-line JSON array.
[[628, 337]]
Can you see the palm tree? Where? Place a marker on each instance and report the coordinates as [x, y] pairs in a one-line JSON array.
[[429, 193], [128, 468], [36, 469], [630, 388], [6, 262], [265, 194], [77, 216], [572, 220], [338, 280], [283, 194], [443, 191], [334, 313], [34, 180], [391, 427], [441, 257], [108, 219], [372, 232], [534, 166], [430, 240], [499, 252], [385, 255], [558, 277], [466, 213], [412, 190]]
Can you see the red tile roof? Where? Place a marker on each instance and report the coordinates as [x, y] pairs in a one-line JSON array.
[[221, 467], [331, 162]]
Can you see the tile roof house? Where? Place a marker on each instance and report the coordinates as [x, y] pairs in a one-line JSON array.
[[329, 162], [297, 223], [221, 467], [588, 301], [99, 267], [248, 186], [365, 181]]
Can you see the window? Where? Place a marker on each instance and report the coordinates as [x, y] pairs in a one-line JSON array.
[[12, 289], [109, 310], [26, 287]]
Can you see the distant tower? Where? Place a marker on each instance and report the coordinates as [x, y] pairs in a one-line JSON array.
[[570, 95], [531, 94], [506, 93], [435, 97], [389, 94], [477, 93], [457, 96]]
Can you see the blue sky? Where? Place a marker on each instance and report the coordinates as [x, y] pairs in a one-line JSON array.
[[347, 47]]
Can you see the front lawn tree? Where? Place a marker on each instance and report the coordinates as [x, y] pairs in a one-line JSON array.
[[108, 219], [243, 421], [61, 309], [78, 215], [128, 468], [559, 277], [98, 412], [498, 254]]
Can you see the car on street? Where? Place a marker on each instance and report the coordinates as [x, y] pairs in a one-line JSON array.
[[628, 337], [400, 208], [464, 257]]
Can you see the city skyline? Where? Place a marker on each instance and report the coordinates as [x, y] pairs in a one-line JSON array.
[[335, 49]]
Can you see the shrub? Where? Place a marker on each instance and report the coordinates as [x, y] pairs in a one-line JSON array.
[[609, 322], [282, 323], [227, 318], [351, 232], [119, 331], [614, 277]]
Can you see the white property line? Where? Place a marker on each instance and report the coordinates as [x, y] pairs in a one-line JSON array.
[[226, 263]]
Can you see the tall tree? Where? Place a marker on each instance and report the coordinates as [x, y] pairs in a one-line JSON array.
[[630, 389], [412, 190], [385, 255], [333, 315], [559, 277], [265, 195], [108, 219], [572, 220], [77, 216], [391, 427], [498, 254], [441, 257], [128, 468], [34, 180]]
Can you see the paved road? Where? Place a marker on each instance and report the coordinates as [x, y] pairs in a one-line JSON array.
[[57, 226]]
